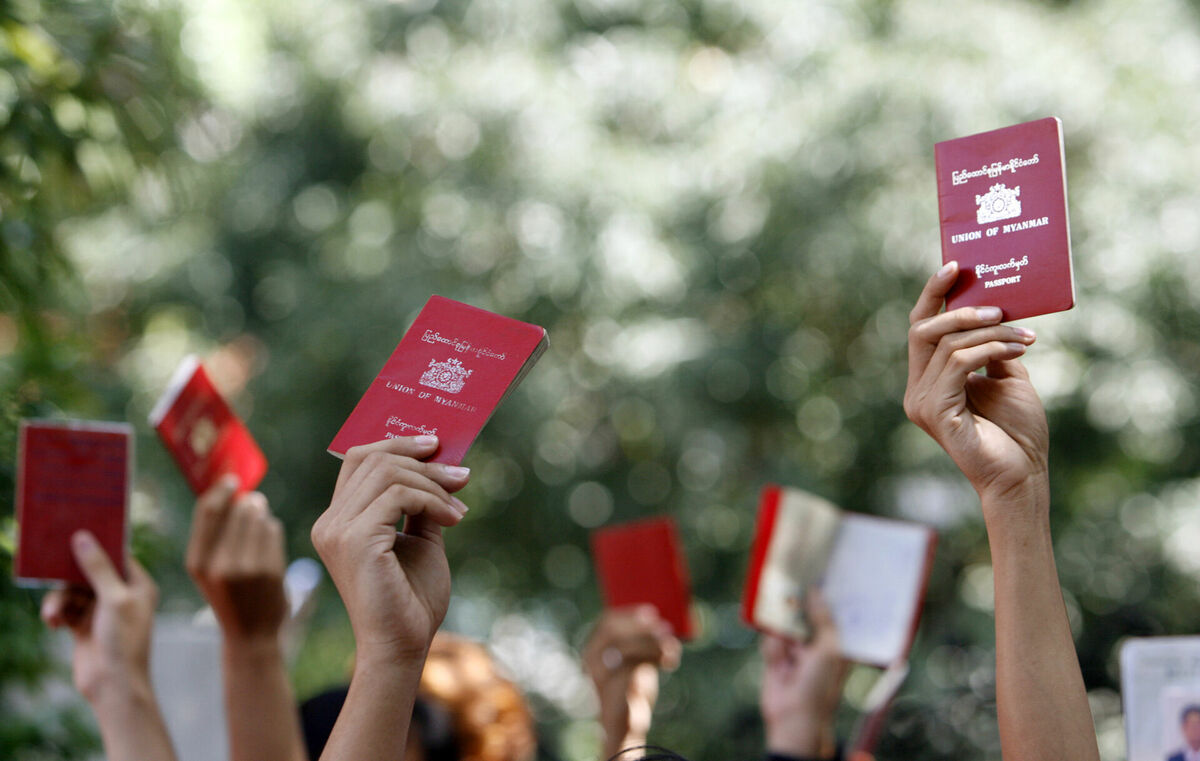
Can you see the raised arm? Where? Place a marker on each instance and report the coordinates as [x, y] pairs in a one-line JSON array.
[[802, 687], [994, 428], [111, 625], [236, 557], [395, 585], [623, 655]]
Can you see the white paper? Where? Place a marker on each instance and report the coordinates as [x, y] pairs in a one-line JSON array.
[[874, 582]]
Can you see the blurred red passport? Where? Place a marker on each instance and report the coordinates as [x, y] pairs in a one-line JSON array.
[[872, 571], [451, 370], [206, 438], [71, 475], [642, 562], [1002, 203]]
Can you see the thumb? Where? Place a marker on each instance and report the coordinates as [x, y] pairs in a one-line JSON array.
[[94, 563]]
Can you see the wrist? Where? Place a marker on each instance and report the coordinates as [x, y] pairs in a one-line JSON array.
[[388, 664], [252, 648], [1018, 508], [616, 741], [120, 693]]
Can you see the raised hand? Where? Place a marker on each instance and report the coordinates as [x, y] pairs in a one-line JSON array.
[[395, 584], [111, 625], [802, 686], [994, 428], [992, 425], [623, 655], [236, 557]]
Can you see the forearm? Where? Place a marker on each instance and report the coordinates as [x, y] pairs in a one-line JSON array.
[[131, 725], [261, 713], [1040, 696], [373, 723], [615, 742], [809, 737]]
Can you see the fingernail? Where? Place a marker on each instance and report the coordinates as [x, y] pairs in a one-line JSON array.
[[1025, 332], [989, 313], [230, 481], [83, 541], [946, 268], [454, 471], [459, 505], [425, 441], [1016, 347]]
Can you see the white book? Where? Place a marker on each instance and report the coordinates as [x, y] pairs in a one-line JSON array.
[[873, 572]]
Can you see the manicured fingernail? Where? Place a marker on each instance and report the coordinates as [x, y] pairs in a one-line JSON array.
[[988, 313], [454, 471], [1016, 347], [425, 441], [459, 505], [230, 481], [946, 269], [1025, 333], [83, 541]]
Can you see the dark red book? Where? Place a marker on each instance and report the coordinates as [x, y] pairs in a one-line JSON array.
[[642, 562], [206, 437], [1002, 201], [71, 475], [451, 370], [872, 571]]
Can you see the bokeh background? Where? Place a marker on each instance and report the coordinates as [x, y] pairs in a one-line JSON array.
[[720, 209]]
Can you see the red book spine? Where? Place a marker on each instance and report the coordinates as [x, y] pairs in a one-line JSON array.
[[768, 509]]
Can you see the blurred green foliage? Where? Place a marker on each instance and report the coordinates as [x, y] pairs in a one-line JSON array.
[[89, 95], [721, 211]]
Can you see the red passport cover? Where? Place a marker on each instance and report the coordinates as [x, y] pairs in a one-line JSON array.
[[445, 378], [642, 562], [71, 475], [206, 438], [1002, 201]]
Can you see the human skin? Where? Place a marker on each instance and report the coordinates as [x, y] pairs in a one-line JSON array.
[[236, 558], [395, 584], [993, 426], [111, 626], [802, 686], [1191, 730], [624, 654]]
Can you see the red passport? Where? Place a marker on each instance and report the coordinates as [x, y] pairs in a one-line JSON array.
[[206, 438], [1002, 200], [642, 562], [872, 571], [71, 475], [448, 374]]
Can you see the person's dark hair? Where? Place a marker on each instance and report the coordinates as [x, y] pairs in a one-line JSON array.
[[1188, 710]]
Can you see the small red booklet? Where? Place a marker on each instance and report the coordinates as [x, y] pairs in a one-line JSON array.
[[642, 562], [71, 475], [1002, 200], [451, 370], [206, 438], [872, 571]]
